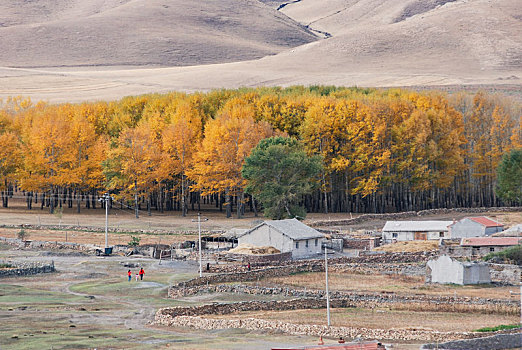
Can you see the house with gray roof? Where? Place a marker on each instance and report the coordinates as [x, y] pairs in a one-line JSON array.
[[288, 235], [396, 231]]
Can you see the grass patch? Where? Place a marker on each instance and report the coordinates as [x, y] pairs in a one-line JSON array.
[[5, 266], [513, 254], [501, 327]]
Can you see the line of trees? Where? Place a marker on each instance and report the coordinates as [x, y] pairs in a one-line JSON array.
[[382, 150]]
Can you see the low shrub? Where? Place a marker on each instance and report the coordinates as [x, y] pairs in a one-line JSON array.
[[135, 241], [501, 327], [511, 254]]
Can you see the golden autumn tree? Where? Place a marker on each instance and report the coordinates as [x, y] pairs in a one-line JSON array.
[[10, 156], [44, 140], [180, 140], [134, 164], [86, 152], [228, 140]]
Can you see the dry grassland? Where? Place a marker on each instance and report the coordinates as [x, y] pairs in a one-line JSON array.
[[387, 283]]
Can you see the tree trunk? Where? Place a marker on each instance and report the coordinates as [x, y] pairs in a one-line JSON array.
[[228, 205], [136, 213]]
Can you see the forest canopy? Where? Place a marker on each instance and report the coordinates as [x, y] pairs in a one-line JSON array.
[[382, 150]]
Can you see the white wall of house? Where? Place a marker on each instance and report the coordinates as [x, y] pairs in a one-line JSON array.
[[306, 248], [389, 236], [265, 235], [447, 270], [467, 228]]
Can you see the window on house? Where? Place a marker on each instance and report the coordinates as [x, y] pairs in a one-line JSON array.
[[394, 235], [306, 244], [316, 242], [491, 249], [296, 245], [441, 234]]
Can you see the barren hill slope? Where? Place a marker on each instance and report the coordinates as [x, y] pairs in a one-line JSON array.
[[47, 33], [439, 36], [368, 43]]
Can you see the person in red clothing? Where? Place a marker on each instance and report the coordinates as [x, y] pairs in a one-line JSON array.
[[129, 273], [141, 273]]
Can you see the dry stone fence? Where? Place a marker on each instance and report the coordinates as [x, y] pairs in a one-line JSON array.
[[197, 317], [201, 316], [25, 269], [408, 214]]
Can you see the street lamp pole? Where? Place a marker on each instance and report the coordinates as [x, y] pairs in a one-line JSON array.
[[327, 291], [106, 198]]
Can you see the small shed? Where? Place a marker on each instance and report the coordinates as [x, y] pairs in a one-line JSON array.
[[396, 231], [447, 270], [479, 226], [288, 235]]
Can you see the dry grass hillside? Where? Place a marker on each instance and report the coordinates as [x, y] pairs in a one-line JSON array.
[[49, 33], [365, 43]]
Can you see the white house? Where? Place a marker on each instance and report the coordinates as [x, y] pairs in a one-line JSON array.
[[447, 270], [395, 231], [475, 227], [289, 235]]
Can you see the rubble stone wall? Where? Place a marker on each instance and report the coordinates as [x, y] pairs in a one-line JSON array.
[[356, 299], [408, 214], [505, 273], [191, 317], [25, 269], [495, 342]]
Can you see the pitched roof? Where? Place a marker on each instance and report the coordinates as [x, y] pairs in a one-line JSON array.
[[485, 221], [292, 228], [490, 241], [417, 226]]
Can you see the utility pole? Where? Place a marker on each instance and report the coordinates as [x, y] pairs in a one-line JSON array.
[[199, 238], [327, 291]]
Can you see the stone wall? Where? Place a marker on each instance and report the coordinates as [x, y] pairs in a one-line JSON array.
[[495, 342], [25, 269], [404, 215], [365, 300], [269, 259], [505, 273], [191, 317], [363, 258]]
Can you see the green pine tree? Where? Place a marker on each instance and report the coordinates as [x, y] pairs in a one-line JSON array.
[[509, 176], [279, 173]]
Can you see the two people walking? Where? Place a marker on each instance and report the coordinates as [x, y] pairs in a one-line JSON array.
[[138, 275]]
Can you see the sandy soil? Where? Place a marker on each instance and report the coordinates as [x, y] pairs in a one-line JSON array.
[[368, 43]]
